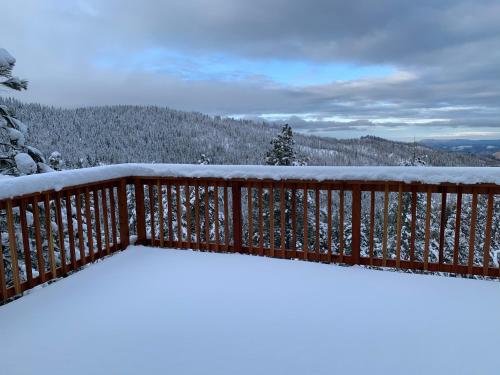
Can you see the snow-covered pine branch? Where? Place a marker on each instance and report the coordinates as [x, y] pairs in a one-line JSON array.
[[16, 158]]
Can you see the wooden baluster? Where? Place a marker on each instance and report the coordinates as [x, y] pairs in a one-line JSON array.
[[13, 247], [386, 222], [123, 214], [282, 219], [170, 217], [250, 219], [428, 208], [442, 227], [341, 224], [261, 220], [356, 224], [81, 246], [139, 210], [26, 244], [329, 235], [88, 218], [98, 231], [372, 226], [216, 216], [187, 192], [151, 214], [207, 217], [50, 237], [399, 226], [60, 235], [305, 244], [112, 211], [456, 244], [413, 228], [38, 239], [472, 232], [71, 232], [271, 218], [316, 239], [3, 285], [237, 221], [197, 214], [487, 234], [161, 214], [140, 214], [294, 221], [179, 215], [226, 219]]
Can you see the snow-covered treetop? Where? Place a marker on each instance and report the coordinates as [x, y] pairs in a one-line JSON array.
[[55, 161], [11, 187], [204, 160], [414, 162], [7, 61]]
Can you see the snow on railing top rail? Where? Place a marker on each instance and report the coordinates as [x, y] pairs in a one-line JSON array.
[[12, 187]]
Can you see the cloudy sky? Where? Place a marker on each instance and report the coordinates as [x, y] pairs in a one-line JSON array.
[[397, 69]]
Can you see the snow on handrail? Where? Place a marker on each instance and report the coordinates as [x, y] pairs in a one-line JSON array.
[[12, 187]]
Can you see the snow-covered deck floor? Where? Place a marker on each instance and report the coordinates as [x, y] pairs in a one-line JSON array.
[[155, 311]]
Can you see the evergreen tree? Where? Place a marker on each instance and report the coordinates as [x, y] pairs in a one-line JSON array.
[[16, 158], [55, 161], [204, 160], [282, 151], [415, 160]]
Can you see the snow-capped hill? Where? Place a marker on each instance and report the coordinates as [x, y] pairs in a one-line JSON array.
[[121, 134]]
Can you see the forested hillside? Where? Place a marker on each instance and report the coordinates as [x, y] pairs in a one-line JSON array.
[[117, 134]]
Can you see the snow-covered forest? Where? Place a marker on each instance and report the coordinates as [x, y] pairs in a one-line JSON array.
[[117, 134]]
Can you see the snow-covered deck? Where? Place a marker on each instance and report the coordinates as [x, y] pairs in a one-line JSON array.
[[156, 311]]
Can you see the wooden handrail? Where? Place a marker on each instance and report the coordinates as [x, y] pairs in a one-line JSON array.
[[375, 223]]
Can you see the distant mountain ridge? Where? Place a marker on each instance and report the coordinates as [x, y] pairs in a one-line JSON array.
[[125, 133], [482, 147]]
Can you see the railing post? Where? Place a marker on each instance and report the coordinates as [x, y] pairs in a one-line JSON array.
[[356, 223], [139, 210], [123, 214], [237, 223], [442, 227]]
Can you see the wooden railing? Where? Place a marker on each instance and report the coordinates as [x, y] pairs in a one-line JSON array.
[[38, 232], [413, 226]]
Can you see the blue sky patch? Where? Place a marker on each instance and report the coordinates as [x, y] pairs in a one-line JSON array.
[[223, 67]]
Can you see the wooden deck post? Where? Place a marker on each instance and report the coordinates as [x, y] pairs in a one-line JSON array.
[[123, 214], [237, 222], [139, 210], [13, 247], [356, 223]]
